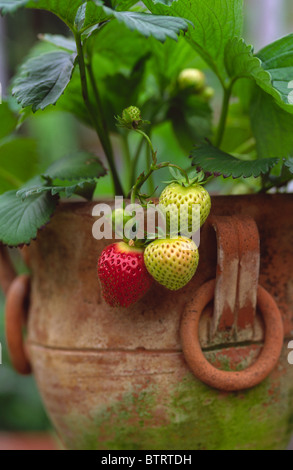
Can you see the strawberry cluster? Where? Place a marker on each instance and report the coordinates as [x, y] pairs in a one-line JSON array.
[[127, 272]]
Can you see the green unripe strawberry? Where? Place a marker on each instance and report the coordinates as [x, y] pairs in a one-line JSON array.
[[193, 79], [172, 262], [131, 114], [208, 93], [131, 118], [183, 198]]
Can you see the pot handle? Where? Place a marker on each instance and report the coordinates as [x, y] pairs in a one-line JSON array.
[[17, 290], [17, 301], [220, 379]]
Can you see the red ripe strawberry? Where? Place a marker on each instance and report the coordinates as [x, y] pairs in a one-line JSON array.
[[123, 275]]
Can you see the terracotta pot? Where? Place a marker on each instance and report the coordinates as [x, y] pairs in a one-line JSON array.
[[119, 379]]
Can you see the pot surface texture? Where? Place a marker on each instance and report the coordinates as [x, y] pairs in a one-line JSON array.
[[115, 378]]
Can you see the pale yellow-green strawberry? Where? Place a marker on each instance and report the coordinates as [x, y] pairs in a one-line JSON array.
[[193, 79], [172, 262], [177, 195]]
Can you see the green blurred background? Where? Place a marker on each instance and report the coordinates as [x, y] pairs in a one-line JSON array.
[[57, 134]]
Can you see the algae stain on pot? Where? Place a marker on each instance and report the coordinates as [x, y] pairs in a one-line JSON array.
[[191, 416], [219, 421]]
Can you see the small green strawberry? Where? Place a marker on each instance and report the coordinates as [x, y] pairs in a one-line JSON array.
[[131, 118], [192, 79], [131, 114], [172, 262], [208, 93], [184, 197]]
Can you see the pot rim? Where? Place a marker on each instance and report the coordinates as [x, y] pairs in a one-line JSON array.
[[250, 198]]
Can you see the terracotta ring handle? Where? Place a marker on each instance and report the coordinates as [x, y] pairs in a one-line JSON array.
[[15, 315], [223, 380]]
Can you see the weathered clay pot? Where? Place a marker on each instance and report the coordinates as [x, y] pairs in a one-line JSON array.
[[118, 378]]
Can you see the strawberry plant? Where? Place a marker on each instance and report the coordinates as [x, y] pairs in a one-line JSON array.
[[149, 54]]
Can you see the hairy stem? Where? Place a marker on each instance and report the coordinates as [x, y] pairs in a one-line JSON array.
[[151, 184], [139, 183], [97, 121], [154, 167], [146, 137], [100, 109]]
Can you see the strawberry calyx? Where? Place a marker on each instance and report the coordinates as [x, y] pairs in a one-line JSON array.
[[193, 177]]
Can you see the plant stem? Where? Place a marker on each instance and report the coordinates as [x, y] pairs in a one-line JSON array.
[[146, 137], [151, 185], [99, 107], [224, 114], [154, 167], [135, 162], [139, 183], [98, 122]]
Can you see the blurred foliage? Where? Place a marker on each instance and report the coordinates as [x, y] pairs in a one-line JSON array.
[[127, 71]]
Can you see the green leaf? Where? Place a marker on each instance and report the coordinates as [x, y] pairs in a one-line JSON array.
[[59, 41], [119, 47], [8, 120], [271, 125], [74, 174], [21, 220], [42, 80], [121, 5], [160, 27], [81, 166], [267, 98], [84, 188], [165, 2], [241, 63], [289, 164], [64, 9], [212, 160], [215, 22], [277, 60], [79, 21], [18, 162], [89, 15], [270, 69]]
